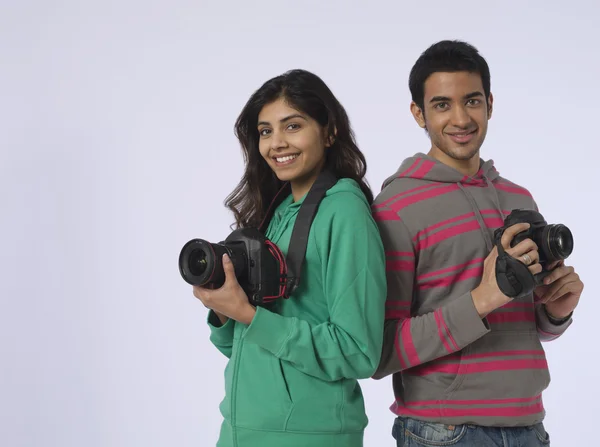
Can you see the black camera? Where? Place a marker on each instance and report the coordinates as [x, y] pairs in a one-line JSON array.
[[261, 269], [554, 242], [258, 263]]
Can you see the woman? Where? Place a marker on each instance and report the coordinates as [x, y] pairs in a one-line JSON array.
[[291, 379]]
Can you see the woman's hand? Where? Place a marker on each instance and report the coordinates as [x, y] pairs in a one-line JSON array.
[[230, 300]]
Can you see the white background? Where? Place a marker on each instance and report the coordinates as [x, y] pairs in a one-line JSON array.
[[117, 146]]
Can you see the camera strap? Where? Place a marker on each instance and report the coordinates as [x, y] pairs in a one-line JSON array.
[[513, 277], [299, 239]]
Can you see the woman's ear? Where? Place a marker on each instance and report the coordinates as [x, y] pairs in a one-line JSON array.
[[331, 138]]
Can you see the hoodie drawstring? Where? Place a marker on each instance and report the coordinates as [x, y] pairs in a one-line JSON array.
[[498, 207], [487, 238]]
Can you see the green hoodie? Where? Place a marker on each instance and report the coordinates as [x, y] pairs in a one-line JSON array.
[[292, 375]]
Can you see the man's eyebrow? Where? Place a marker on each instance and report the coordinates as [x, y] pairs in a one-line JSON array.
[[439, 98], [473, 95], [447, 99]]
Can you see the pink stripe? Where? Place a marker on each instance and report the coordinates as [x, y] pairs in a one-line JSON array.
[[454, 219], [493, 222], [450, 269], [446, 234], [404, 193], [427, 369], [397, 346], [441, 224], [399, 266], [416, 198], [438, 317], [397, 314], [474, 180], [416, 162], [513, 189], [510, 317], [385, 215], [455, 358], [490, 222], [400, 253], [423, 169], [516, 400], [475, 368], [514, 304], [505, 365], [397, 303], [503, 181], [447, 281], [455, 412], [407, 342], [448, 333], [547, 336]]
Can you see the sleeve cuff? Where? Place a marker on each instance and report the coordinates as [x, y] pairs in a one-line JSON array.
[[464, 323], [546, 326], [270, 330], [219, 331]]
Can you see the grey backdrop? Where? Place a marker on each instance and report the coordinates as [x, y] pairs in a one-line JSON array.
[[116, 140]]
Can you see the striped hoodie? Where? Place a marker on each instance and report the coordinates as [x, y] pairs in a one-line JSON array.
[[449, 365]]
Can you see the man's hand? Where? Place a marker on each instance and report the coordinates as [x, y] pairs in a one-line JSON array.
[[487, 296], [561, 290]]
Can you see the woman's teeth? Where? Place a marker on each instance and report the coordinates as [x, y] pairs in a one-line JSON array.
[[287, 158]]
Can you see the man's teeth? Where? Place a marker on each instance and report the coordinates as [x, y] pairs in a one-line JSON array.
[[284, 159]]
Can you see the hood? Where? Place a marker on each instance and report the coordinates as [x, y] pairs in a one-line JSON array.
[[288, 209], [422, 166], [343, 185]]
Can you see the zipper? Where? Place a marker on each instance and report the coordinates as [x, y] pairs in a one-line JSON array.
[[234, 391]]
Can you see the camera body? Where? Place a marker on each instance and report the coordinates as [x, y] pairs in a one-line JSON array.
[[261, 269], [554, 241], [258, 263]]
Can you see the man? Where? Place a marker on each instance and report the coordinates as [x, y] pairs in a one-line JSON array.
[[467, 363]]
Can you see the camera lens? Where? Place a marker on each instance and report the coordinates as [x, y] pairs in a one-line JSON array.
[[200, 262], [197, 262], [560, 241]]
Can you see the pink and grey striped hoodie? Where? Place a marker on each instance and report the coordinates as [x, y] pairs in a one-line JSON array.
[[449, 365]]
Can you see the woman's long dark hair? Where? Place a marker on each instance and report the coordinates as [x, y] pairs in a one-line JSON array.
[[307, 93]]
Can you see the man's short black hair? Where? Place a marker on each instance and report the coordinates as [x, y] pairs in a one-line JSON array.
[[447, 56]]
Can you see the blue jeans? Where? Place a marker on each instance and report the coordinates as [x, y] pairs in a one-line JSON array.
[[412, 433]]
